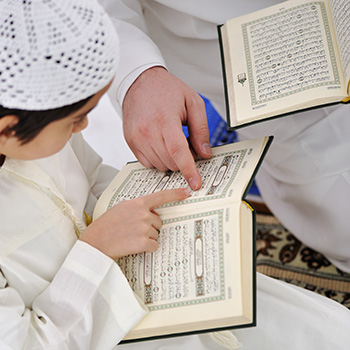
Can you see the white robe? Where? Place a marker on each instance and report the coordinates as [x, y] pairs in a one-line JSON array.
[[305, 177], [60, 293], [57, 292]]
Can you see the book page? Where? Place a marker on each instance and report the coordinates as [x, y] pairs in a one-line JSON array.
[[225, 175], [186, 268], [282, 57], [341, 20], [194, 279]]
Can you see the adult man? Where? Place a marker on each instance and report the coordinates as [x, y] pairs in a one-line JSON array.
[[305, 174]]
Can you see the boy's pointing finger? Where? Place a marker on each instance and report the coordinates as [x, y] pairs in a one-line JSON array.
[[160, 198]]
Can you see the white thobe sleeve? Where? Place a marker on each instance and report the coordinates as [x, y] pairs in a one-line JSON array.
[[88, 305], [137, 51]]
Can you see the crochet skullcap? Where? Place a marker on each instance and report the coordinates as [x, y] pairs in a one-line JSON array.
[[54, 52]]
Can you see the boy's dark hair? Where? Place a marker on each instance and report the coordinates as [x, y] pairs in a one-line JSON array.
[[30, 123]]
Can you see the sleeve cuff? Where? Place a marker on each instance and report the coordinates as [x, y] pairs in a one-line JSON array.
[[104, 272]]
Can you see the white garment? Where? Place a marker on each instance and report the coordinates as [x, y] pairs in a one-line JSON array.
[[305, 177], [288, 318], [60, 293], [184, 38], [57, 292]]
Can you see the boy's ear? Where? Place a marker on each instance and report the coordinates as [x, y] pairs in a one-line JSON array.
[[6, 123]]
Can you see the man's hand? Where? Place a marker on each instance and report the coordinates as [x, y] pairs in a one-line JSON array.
[[155, 108]]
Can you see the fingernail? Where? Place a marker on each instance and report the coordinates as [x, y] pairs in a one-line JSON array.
[[193, 183], [206, 149], [187, 192]]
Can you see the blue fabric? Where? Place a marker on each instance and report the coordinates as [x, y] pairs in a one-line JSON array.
[[218, 133]]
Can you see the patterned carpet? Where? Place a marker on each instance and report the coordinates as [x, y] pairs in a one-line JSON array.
[[282, 256]]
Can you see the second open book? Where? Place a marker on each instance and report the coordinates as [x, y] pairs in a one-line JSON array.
[[285, 58], [202, 277]]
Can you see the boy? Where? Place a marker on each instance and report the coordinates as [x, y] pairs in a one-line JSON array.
[[59, 285]]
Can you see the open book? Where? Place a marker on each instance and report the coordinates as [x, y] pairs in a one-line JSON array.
[[285, 58], [202, 277]]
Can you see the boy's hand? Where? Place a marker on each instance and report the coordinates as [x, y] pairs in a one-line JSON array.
[[131, 226]]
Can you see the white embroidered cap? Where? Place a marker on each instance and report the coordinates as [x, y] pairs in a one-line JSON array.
[[54, 52]]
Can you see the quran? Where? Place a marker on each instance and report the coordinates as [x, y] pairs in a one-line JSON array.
[[285, 58], [202, 277]]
